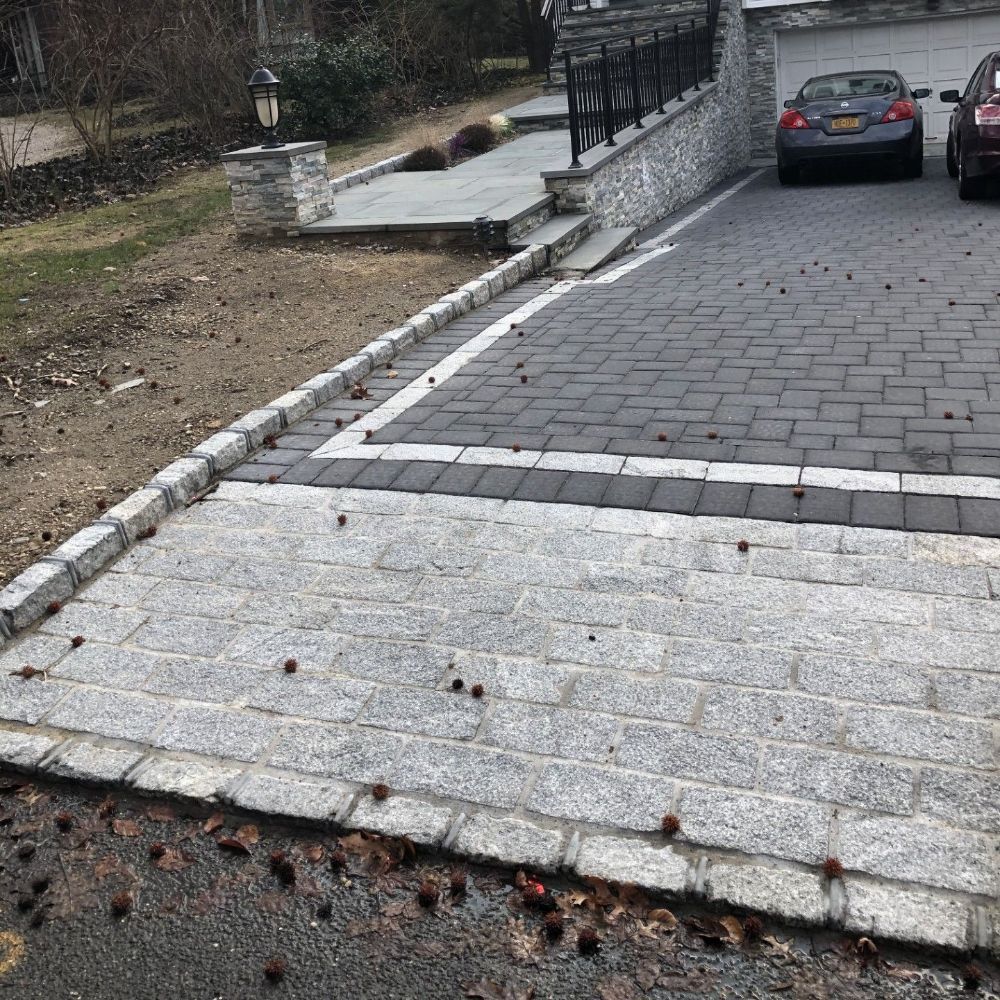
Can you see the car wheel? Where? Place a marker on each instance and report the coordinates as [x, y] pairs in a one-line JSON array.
[[968, 188], [788, 175], [913, 166], [950, 157]]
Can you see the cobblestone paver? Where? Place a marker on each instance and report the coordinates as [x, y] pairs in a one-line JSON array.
[[809, 697]]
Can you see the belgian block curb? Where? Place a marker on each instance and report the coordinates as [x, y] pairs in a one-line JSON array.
[[794, 894], [56, 577]]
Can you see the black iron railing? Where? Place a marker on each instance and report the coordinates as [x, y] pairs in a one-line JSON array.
[[553, 18], [610, 89]]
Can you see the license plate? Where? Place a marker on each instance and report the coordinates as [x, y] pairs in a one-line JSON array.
[[846, 122]]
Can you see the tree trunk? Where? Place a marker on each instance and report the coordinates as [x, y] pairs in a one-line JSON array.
[[529, 14]]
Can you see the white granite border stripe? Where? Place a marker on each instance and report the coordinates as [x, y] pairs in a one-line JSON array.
[[790, 476]]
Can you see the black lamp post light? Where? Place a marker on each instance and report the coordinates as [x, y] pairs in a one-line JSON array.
[[263, 87]]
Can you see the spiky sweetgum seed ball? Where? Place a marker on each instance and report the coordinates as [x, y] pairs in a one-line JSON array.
[[476, 691], [553, 925], [64, 821], [380, 792], [832, 868], [54, 608], [338, 859], [661, 436], [77, 641], [121, 903], [341, 519], [457, 684], [427, 894], [291, 665], [670, 824], [588, 942], [275, 969], [743, 545]]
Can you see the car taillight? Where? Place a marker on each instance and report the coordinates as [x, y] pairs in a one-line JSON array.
[[988, 114], [793, 119], [900, 111]]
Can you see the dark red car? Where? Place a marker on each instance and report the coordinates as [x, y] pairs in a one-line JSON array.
[[974, 130]]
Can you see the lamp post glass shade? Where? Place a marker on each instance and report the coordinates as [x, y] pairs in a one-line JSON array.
[[263, 87]]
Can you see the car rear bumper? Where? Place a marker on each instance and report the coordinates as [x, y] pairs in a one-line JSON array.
[[984, 159], [798, 146]]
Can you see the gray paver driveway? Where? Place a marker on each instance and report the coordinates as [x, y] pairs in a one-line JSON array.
[[813, 368], [788, 692]]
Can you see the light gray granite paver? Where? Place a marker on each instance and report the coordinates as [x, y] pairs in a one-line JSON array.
[[630, 669]]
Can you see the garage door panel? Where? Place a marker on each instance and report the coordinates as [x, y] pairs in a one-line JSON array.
[[873, 40], [939, 53]]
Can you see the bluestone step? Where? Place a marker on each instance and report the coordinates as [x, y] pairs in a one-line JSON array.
[[558, 232], [598, 249]]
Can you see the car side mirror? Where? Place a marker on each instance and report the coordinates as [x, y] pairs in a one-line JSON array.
[[949, 97], [789, 104], [921, 92]]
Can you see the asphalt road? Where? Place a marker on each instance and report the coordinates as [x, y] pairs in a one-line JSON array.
[[209, 929]]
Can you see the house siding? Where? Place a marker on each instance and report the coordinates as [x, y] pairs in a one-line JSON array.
[[762, 24]]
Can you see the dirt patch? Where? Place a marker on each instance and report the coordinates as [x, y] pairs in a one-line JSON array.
[[216, 326]]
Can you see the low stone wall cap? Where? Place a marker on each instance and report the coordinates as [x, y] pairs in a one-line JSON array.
[[259, 153]]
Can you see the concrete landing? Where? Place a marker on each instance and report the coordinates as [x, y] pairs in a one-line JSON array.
[[504, 184]]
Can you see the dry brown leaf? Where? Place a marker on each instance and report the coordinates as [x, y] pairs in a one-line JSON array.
[[174, 860], [214, 822], [233, 844], [272, 902], [663, 917], [160, 813], [108, 865], [735, 928], [647, 974], [617, 988], [313, 852], [126, 827], [248, 835]]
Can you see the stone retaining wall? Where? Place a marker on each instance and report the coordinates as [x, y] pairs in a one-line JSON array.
[[677, 157], [762, 24]]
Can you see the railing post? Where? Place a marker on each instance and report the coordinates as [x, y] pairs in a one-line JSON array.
[[658, 50], [609, 118], [677, 62], [636, 102], [711, 52], [694, 43], [574, 113]]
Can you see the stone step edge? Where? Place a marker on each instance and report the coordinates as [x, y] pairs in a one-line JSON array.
[[796, 894], [55, 577]]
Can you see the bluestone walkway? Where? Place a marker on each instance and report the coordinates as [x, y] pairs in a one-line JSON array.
[[790, 684]]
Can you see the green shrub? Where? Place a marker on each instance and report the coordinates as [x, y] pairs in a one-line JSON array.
[[328, 87], [479, 137], [426, 158]]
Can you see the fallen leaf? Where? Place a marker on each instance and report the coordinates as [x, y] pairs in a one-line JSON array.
[[617, 988], [663, 917], [174, 860], [313, 852], [214, 822], [248, 835], [272, 902], [160, 814], [108, 865], [735, 928], [232, 844], [126, 827]]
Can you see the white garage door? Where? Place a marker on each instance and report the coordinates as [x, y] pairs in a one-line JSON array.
[[939, 53]]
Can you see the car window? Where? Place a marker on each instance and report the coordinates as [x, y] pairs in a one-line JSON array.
[[849, 85], [974, 82]]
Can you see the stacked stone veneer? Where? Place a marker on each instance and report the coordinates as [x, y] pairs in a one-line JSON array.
[[278, 191], [676, 157], [762, 26]]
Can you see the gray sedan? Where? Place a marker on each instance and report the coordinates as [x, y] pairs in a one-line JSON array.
[[867, 114]]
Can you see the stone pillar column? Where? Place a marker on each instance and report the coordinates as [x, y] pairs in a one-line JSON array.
[[278, 191]]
